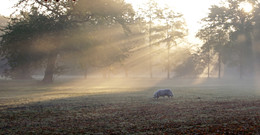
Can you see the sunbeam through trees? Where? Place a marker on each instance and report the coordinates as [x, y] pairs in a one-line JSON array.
[[129, 67]]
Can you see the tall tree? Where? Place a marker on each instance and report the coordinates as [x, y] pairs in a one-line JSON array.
[[234, 25], [215, 41], [18, 42], [189, 63], [164, 26], [151, 13], [66, 14], [256, 38], [175, 30]]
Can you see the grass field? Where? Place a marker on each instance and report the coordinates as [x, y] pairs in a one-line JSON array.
[[114, 107]]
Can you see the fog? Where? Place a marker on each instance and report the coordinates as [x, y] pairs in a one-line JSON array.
[[113, 45], [93, 67]]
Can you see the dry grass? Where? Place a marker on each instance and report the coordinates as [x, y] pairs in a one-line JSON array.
[[31, 108]]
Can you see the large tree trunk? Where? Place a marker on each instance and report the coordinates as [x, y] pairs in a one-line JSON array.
[[49, 72]]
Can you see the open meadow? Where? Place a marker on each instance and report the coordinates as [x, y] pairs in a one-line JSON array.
[[123, 106], [94, 67]]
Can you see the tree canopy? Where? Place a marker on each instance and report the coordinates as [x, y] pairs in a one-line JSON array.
[[228, 31], [49, 34], [41, 35]]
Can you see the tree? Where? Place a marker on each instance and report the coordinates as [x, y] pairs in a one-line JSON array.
[[3, 65], [175, 30], [190, 64], [215, 40], [233, 27], [163, 26], [67, 14], [256, 37], [150, 14], [18, 43], [108, 51]]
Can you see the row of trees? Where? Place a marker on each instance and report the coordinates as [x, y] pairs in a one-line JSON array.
[[52, 30], [163, 27], [103, 32], [86, 32], [229, 32]]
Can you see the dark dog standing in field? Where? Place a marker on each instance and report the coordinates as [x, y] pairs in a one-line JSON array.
[[162, 93]]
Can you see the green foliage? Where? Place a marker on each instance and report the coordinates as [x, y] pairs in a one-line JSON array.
[[27, 41], [48, 30], [228, 32]]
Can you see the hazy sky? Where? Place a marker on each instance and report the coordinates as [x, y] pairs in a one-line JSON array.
[[193, 10], [6, 7]]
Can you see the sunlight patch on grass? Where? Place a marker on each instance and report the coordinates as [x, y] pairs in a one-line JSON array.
[[25, 93]]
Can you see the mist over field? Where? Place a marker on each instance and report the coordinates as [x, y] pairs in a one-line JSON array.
[[127, 106], [130, 67]]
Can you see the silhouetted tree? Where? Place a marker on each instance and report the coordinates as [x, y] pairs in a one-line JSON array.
[[18, 44], [256, 38], [64, 15], [229, 25], [192, 65], [150, 13], [164, 26], [175, 30], [215, 41]]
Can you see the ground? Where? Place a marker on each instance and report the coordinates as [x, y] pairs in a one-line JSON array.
[[114, 107]]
